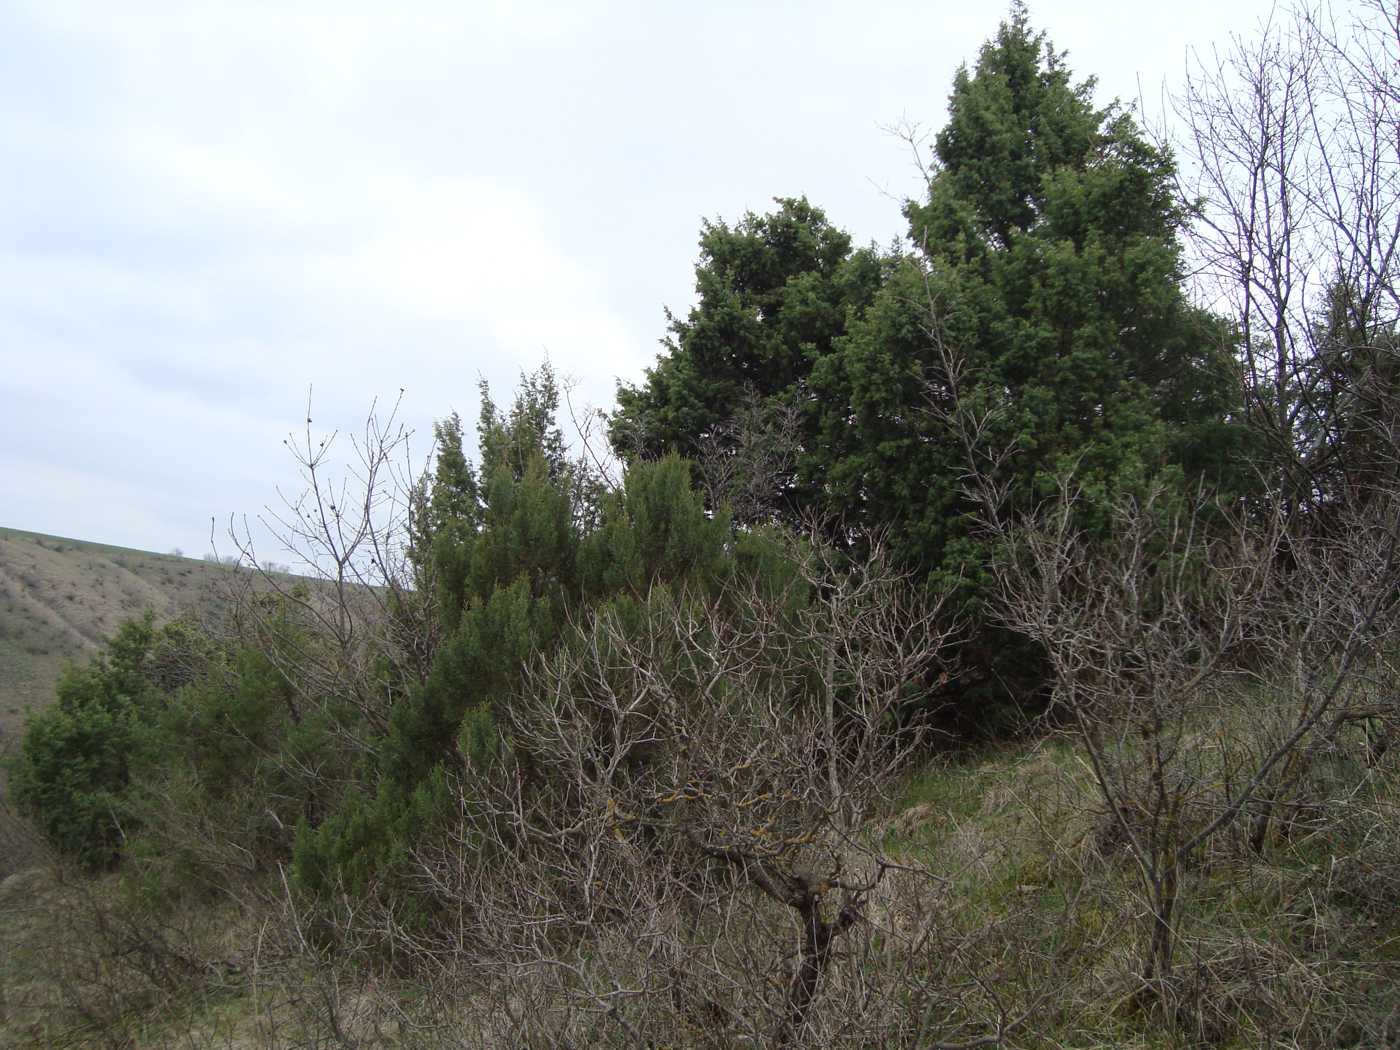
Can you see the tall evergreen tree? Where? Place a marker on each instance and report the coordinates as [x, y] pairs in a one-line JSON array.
[[1046, 264], [455, 494], [1049, 269], [1046, 303], [776, 293]]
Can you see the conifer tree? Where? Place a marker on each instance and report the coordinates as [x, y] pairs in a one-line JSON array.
[[516, 560], [776, 293], [1049, 275], [1043, 300], [1041, 326]]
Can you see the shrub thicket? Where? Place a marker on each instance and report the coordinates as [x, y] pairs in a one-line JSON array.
[[618, 756]]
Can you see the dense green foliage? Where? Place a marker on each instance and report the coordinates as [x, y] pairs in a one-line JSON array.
[[1043, 332], [516, 550], [1047, 269], [1040, 324], [76, 757], [777, 293]]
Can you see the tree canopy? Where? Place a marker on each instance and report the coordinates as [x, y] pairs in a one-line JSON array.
[[1040, 306]]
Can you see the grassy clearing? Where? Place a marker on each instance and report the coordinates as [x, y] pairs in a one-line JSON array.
[[1298, 945]]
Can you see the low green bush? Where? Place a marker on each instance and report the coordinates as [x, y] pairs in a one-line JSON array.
[[73, 764]]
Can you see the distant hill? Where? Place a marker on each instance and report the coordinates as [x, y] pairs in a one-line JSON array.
[[59, 598]]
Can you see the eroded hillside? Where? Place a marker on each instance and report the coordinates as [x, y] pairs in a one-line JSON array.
[[59, 598]]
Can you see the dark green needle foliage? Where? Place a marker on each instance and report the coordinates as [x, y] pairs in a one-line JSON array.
[[1049, 239], [75, 761], [1043, 302], [520, 548], [1049, 273], [777, 291], [1041, 330]]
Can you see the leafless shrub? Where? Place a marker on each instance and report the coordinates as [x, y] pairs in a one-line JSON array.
[[90, 960], [672, 850], [1292, 163], [1143, 630], [748, 462]]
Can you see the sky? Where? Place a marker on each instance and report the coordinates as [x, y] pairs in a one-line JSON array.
[[213, 212]]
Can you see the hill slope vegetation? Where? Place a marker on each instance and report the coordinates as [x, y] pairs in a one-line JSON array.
[[61, 598], [979, 645]]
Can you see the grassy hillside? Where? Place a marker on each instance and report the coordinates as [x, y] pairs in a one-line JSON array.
[[989, 897], [1028, 911], [60, 597]]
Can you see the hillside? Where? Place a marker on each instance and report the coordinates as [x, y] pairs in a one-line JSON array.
[[1008, 900], [60, 597]]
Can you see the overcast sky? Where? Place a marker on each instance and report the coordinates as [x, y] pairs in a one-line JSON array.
[[206, 208]]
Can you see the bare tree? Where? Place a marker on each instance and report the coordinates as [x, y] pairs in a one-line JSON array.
[[1291, 159], [1197, 669], [674, 848], [352, 599]]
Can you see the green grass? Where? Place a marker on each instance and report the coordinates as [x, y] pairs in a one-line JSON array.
[[1301, 942]]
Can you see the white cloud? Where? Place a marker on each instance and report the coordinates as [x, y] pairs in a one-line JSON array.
[[206, 207]]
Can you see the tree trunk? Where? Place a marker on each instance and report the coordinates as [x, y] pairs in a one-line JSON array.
[[1157, 965], [817, 935]]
